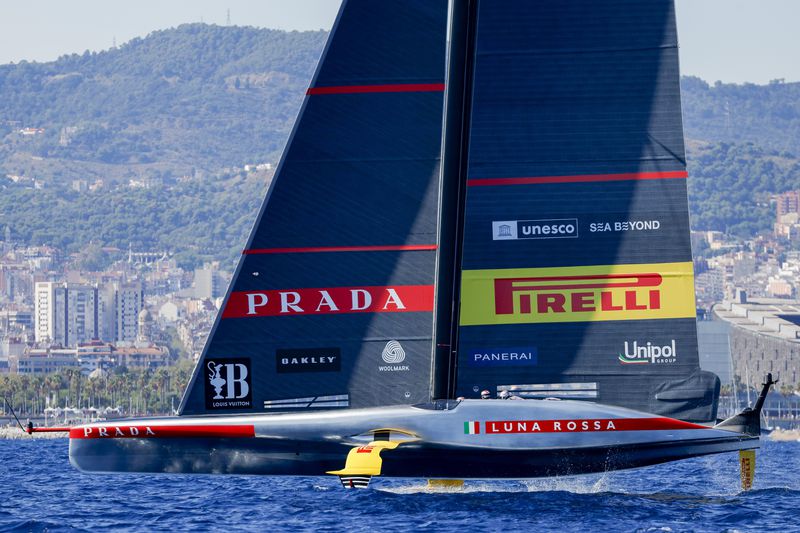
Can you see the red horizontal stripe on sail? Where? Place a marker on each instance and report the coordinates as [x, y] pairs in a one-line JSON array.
[[330, 300], [588, 178], [325, 249], [143, 431], [587, 425], [391, 88]]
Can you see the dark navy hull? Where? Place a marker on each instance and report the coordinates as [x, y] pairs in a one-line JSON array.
[[259, 457], [473, 439]]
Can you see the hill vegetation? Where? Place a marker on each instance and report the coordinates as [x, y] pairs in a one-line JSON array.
[[766, 115], [196, 96], [198, 220], [730, 186]]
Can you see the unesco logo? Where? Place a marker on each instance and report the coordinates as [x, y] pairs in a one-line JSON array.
[[551, 228]]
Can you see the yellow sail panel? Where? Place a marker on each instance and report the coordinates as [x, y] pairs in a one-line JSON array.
[[577, 294]]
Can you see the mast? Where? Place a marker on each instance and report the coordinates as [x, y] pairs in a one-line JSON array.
[[455, 150]]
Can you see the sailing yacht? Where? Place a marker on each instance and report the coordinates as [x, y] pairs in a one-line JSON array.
[[477, 195]]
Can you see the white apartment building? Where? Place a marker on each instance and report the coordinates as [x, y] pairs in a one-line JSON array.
[[44, 312], [129, 301], [69, 314]]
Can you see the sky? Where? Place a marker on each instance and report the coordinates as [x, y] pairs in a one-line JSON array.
[[728, 40]]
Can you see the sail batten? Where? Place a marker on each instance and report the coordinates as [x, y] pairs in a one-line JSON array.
[[388, 88], [341, 249], [629, 176]]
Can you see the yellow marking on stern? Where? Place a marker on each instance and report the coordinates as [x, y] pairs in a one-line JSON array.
[[747, 468]]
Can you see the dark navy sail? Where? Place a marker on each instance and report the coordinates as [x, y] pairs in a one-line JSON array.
[[576, 267], [332, 302]]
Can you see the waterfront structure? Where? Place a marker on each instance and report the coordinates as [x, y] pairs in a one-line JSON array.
[[87, 358], [43, 361], [764, 337]]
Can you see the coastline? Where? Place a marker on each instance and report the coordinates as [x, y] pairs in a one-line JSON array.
[[15, 433]]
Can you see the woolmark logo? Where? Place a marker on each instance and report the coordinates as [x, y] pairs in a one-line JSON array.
[[228, 384], [552, 228], [393, 353], [637, 354]]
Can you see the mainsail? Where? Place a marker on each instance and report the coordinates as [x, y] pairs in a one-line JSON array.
[[577, 273], [332, 302]]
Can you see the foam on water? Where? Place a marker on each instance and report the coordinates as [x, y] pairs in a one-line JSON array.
[[591, 484]]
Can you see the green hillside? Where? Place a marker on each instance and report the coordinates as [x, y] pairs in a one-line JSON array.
[[765, 115], [730, 186], [195, 96]]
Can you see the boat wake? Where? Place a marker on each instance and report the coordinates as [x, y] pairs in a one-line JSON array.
[[574, 484]]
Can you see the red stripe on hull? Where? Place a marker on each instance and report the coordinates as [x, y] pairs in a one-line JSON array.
[[587, 425], [335, 249], [113, 431], [390, 88], [588, 178]]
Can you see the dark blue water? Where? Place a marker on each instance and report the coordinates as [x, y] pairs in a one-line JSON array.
[[40, 491]]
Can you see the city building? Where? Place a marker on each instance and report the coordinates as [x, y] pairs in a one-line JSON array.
[[44, 312], [66, 314], [128, 303], [142, 358], [788, 202], [209, 282], [95, 355], [69, 314], [43, 361]]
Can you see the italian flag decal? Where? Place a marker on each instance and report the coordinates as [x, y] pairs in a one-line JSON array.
[[472, 428]]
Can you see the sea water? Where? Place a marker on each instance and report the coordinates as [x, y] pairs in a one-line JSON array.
[[40, 491]]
